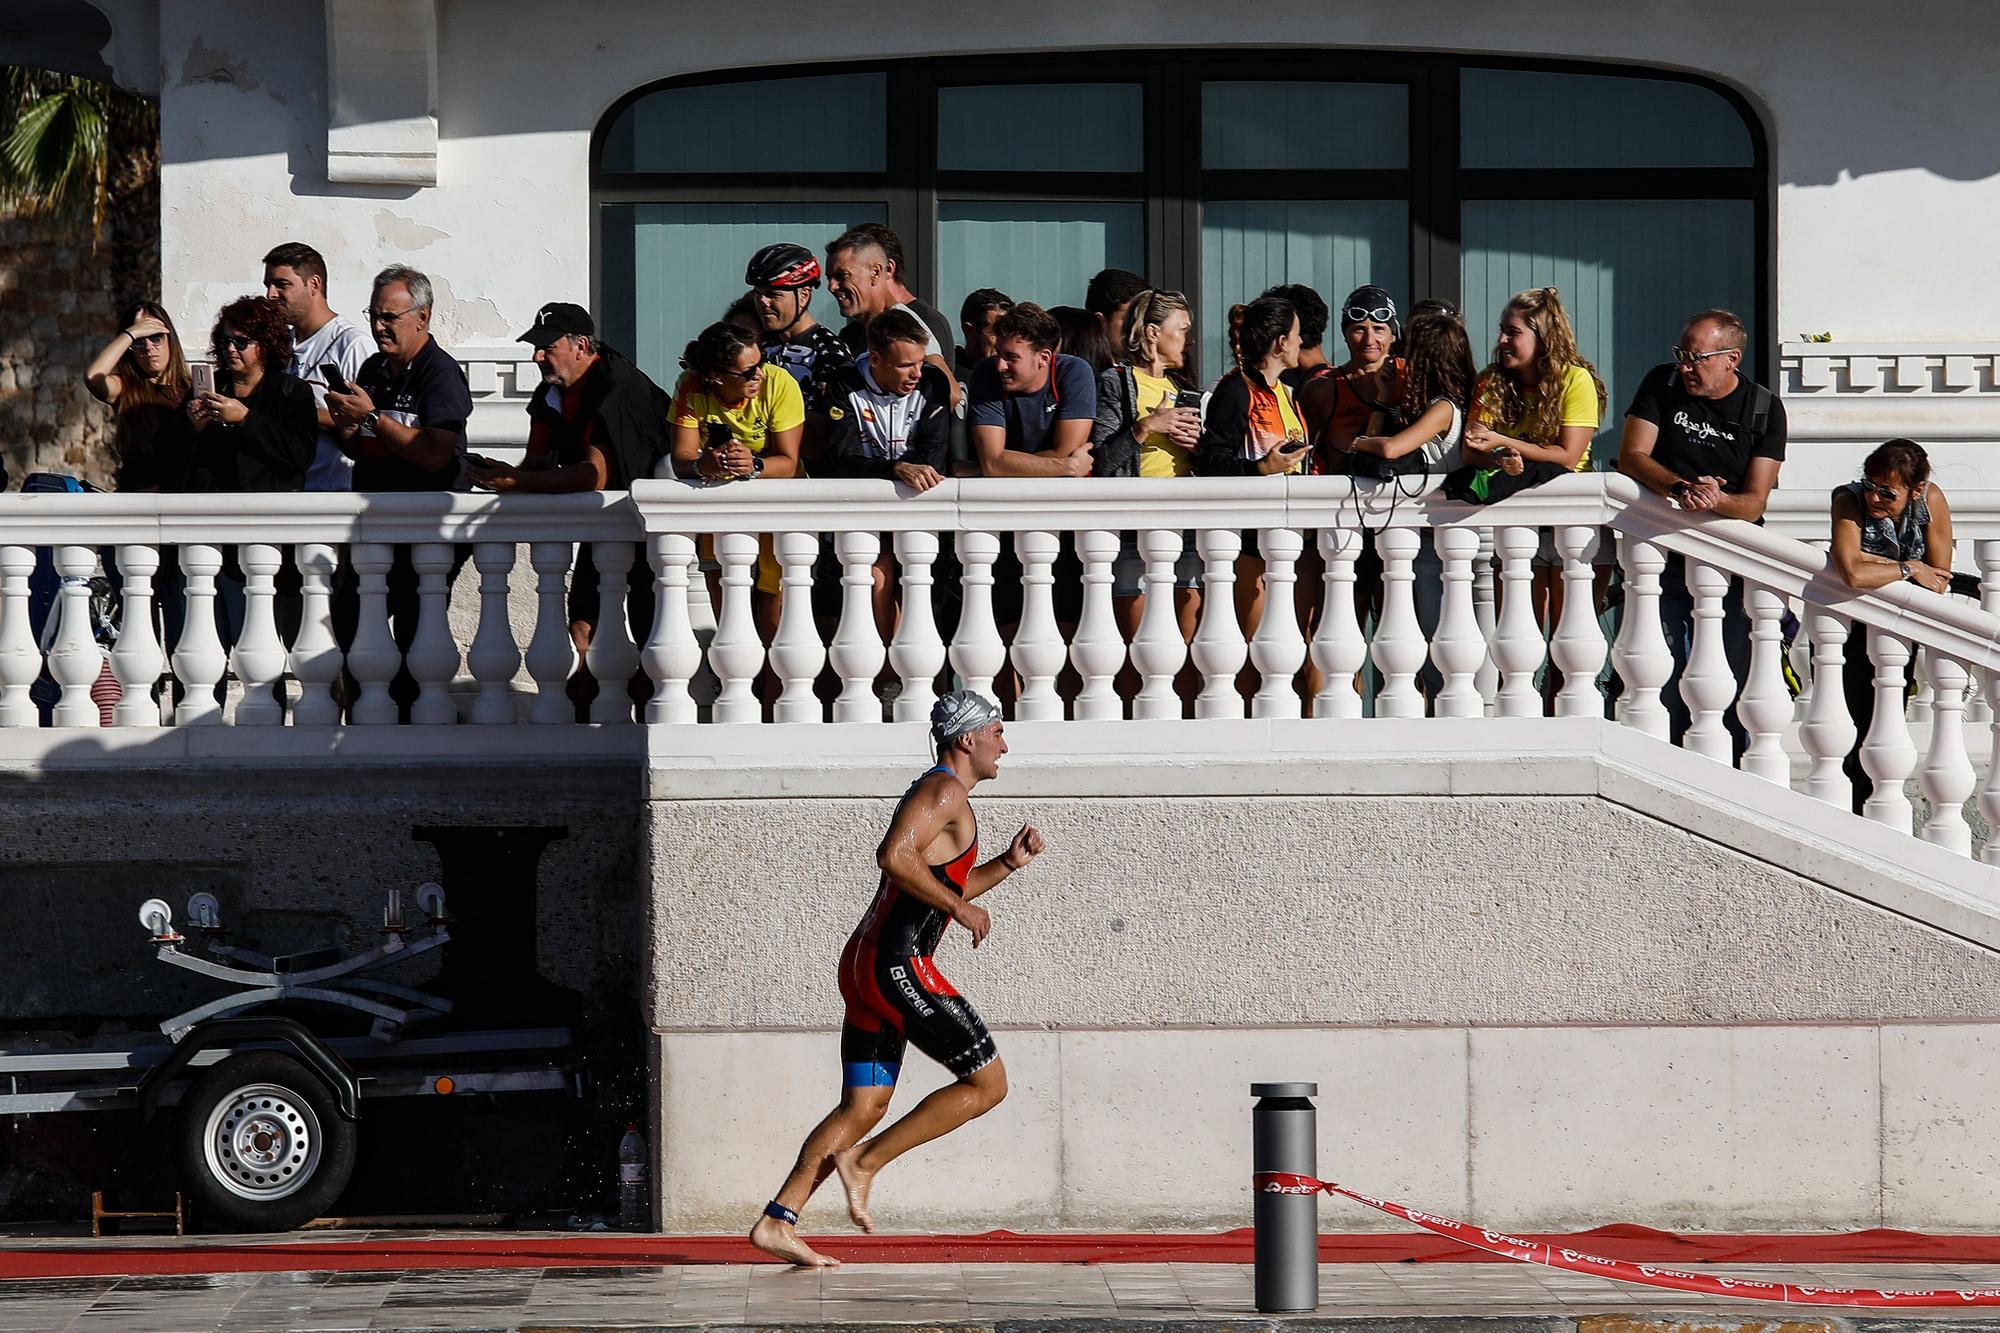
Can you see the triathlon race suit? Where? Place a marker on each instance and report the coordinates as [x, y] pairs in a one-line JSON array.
[[894, 992]]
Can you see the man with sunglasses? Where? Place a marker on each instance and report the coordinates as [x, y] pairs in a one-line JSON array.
[[1702, 434]]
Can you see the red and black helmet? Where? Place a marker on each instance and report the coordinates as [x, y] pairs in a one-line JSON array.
[[783, 265]]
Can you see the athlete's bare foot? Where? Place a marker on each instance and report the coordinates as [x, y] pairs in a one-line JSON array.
[[782, 1241], [855, 1181]]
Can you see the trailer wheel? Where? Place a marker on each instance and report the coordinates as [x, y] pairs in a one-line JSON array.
[[261, 1144]]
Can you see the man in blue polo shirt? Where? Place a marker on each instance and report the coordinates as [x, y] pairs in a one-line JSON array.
[[1030, 407]]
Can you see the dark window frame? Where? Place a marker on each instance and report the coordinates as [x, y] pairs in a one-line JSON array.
[[1174, 185]]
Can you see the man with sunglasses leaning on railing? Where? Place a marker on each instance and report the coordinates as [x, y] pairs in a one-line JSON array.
[[1702, 434]]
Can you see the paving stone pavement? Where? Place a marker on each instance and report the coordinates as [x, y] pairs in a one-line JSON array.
[[972, 1298]]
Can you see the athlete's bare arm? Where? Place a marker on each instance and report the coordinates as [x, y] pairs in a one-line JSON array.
[[917, 839], [1027, 845]]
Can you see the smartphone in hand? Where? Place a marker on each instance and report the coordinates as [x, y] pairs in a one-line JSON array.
[[203, 377], [334, 379]]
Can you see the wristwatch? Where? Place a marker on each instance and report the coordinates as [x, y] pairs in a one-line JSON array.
[[756, 465], [1904, 565], [368, 421]]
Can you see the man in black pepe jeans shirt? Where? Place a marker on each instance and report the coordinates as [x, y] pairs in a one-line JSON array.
[[1706, 437]]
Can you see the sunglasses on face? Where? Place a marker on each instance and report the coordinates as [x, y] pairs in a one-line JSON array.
[[149, 340], [1381, 314], [1877, 491], [754, 372], [385, 316], [1683, 357], [236, 341]]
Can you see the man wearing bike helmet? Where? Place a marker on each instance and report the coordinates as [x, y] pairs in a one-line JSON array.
[[781, 278]]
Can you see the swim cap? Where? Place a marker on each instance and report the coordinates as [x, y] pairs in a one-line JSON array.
[[959, 712], [1368, 303]]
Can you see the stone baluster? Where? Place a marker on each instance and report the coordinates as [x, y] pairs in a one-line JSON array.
[[1888, 754], [372, 659], [1766, 705], [1098, 651], [736, 653], [1947, 779], [1641, 654], [20, 655], [1338, 649], [137, 659], [1399, 649], [1158, 651], [1828, 732], [1918, 704], [916, 652], [1517, 641], [315, 657], [551, 655], [1707, 685], [1577, 648], [75, 661], [1278, 648], [198, 660], [1987, 556], [1458, 649], [1038, 651], [433, 658], [1486, 610], [612, 658], [1799, 656], [1219, 648], [1989, 792], [797, 655], [673, 654], [258, 660], [857, 652], [495, 658], [977, 652]]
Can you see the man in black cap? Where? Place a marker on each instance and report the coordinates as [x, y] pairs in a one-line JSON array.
[[598, 423]]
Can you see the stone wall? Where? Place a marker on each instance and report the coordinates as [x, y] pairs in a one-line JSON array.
[[57, 307]]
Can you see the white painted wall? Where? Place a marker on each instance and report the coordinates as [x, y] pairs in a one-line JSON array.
[[1885, 177]]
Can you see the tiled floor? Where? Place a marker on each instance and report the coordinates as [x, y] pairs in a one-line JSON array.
[[767, 1296]]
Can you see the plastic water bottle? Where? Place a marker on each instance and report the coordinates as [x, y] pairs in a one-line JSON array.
[[632, 1180]]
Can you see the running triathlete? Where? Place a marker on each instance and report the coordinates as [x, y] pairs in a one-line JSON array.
[[894, 992]]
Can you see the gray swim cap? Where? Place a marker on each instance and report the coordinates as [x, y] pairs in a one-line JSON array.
[[954, 714]]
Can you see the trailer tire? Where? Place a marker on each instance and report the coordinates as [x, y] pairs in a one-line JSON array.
[[261, 1144]]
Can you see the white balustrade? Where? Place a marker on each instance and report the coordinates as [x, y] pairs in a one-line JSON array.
[[1707, 684], [977, 652], [373, 658], [857, 652], [20, 655], [1577, 647], [1766, 705], [673, 654], [1399, 650], [797, 655], [315, 654], [736, 653], [258, 659], [74, 661], [1889, 754], [916, 652], [1458, 648], [551, 655], [1038, 651], [612, 657], [1219, 648], [1098, 650], [1338, 649], [1829, 731], [1947, 779], [494, 658], [1486, 611], [1989, 791], [137, 659], [1158, 651], [1278, 649], [433, 658], [1641, 654], [199, 663], [1518, 645]]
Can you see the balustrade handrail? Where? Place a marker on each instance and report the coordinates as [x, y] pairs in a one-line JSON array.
[[55, 518]]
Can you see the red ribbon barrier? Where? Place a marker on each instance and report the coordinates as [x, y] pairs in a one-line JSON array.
[[1645, 1275]]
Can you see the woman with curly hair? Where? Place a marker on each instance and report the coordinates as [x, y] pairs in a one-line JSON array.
[[258, 428], [142, 375]]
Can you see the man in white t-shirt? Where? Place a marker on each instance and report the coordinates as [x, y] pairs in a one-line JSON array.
[[295, 277]]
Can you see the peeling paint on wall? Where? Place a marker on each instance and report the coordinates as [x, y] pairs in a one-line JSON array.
[[208, 64], [406, 233], [465, 321]]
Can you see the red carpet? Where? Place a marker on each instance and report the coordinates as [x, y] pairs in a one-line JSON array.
[[1641, 1244]]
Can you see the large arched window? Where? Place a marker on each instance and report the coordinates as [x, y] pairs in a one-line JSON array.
[[1641, 196]]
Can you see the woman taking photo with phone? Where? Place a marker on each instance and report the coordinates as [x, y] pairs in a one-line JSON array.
[[142, 375], [256, 430]]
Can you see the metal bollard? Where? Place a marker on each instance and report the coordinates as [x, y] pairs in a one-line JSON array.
[[1284, 1128]]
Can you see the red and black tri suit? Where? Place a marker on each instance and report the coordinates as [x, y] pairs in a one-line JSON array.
[[895, 994]]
